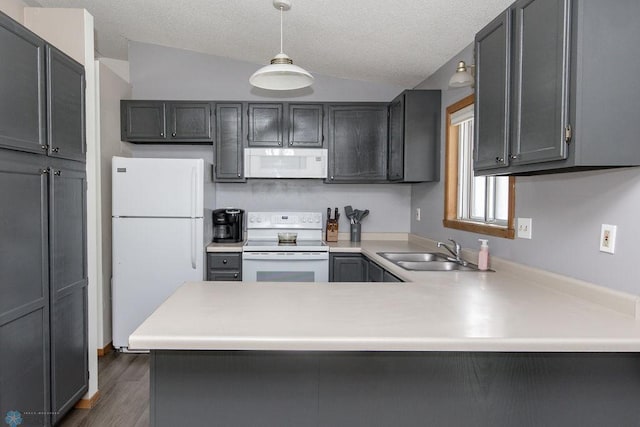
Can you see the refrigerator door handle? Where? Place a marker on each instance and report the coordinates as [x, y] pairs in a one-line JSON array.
[[194, 189], [193, 243]]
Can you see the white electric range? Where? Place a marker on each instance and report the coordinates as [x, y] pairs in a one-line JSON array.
[[264, 259]]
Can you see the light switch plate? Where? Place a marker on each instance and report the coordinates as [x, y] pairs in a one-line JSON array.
[[608, 238], [524, 228]]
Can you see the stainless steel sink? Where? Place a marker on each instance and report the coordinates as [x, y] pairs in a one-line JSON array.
[[426, 261], [435, 266], [396, 257]]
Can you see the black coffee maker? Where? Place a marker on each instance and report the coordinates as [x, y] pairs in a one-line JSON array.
[[227, 225]]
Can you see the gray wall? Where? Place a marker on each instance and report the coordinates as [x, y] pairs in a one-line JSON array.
[[159, 72], [567, 212]]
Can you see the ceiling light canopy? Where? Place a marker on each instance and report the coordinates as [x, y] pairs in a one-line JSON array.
[[281, 74]]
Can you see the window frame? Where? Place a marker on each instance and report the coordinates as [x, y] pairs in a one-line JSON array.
[[451, 185]]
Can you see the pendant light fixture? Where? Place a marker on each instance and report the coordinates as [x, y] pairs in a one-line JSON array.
[[281, 74]]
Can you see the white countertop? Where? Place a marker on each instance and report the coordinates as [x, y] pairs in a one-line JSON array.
[[510, 310]]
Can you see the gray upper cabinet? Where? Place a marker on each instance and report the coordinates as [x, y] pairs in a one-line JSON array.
[[414, 136], [68, 284], [179, 122], [65, 106], [493, 69], [228, 143], [301, 126], [540, 81], [265, 125], [143, 121], [190, 121], [358, 142], [305, 125], [22, 86], [568, 108], [24, 285]]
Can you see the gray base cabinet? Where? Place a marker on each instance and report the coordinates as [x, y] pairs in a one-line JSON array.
[[224, 266], [348, 268], [24, 286], [43, 299], [357, 268], [394, 388], [548, 97], [166, 122], [68, 284], [414, 136]]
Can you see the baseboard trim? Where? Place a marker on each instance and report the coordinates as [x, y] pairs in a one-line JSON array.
[[105, 350], [88, 403]]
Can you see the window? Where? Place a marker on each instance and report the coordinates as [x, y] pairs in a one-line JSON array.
[[483, 204]]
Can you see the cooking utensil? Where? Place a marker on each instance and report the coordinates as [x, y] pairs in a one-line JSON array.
[[364, 214], [337, 214], [349, 211]]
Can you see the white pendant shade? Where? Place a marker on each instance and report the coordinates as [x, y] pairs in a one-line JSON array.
[[281, 74], [281, 77]]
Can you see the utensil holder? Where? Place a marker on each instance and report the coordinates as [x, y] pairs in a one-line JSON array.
[[356, 231]]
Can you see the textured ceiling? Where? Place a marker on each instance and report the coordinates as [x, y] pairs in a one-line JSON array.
[[397, 42]]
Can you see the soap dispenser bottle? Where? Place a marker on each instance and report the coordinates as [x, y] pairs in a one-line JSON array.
[[483, 255]]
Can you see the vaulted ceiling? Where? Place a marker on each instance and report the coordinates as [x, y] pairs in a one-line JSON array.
[[397, 42]]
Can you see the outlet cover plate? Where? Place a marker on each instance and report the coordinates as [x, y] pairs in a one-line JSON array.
[[524, 228], [608, 238]]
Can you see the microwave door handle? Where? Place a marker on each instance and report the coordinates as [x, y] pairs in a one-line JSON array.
[[193, 243]]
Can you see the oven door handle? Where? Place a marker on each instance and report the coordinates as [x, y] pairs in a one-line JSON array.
[[285, 256]]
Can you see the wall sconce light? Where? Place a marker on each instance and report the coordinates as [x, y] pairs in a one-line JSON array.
[[464, 76]]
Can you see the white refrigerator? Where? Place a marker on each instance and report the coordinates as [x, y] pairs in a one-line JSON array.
[[158, 240]]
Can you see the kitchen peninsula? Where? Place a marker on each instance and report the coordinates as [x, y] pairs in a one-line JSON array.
[[510, 347]]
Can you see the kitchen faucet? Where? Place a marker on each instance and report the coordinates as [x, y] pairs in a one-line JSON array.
[[455, 251]]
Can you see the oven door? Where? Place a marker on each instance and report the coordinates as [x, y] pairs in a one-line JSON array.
[[285, 266]]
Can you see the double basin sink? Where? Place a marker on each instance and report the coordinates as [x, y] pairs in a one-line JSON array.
[[427, 261]]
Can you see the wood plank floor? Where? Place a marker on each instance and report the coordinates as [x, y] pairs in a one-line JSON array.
[[123, 381]]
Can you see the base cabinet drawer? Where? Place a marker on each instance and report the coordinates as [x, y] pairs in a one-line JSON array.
[[225, 261], [224, 276], [224, 266]]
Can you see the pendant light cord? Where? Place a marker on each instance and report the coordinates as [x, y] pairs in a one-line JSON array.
[[281, 12]]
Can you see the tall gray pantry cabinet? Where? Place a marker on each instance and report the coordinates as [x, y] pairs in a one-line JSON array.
[[43, 268]]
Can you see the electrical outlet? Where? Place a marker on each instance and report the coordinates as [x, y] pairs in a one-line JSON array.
[[418, 214], [608, 238], [524, 228]]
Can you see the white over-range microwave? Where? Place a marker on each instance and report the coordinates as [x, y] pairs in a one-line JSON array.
[[285, 163]]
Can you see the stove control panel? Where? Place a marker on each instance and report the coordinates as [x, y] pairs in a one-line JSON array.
[[312, 220]]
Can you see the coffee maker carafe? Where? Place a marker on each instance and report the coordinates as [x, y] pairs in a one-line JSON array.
[[227, 225]]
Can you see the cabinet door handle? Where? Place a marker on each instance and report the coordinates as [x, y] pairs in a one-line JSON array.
[[44, 171], [56, 173], [514, 157], [224, 261], [499, 159], [235, 275], [161, 133], [44, 147], [55, 150], [173, 134]]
